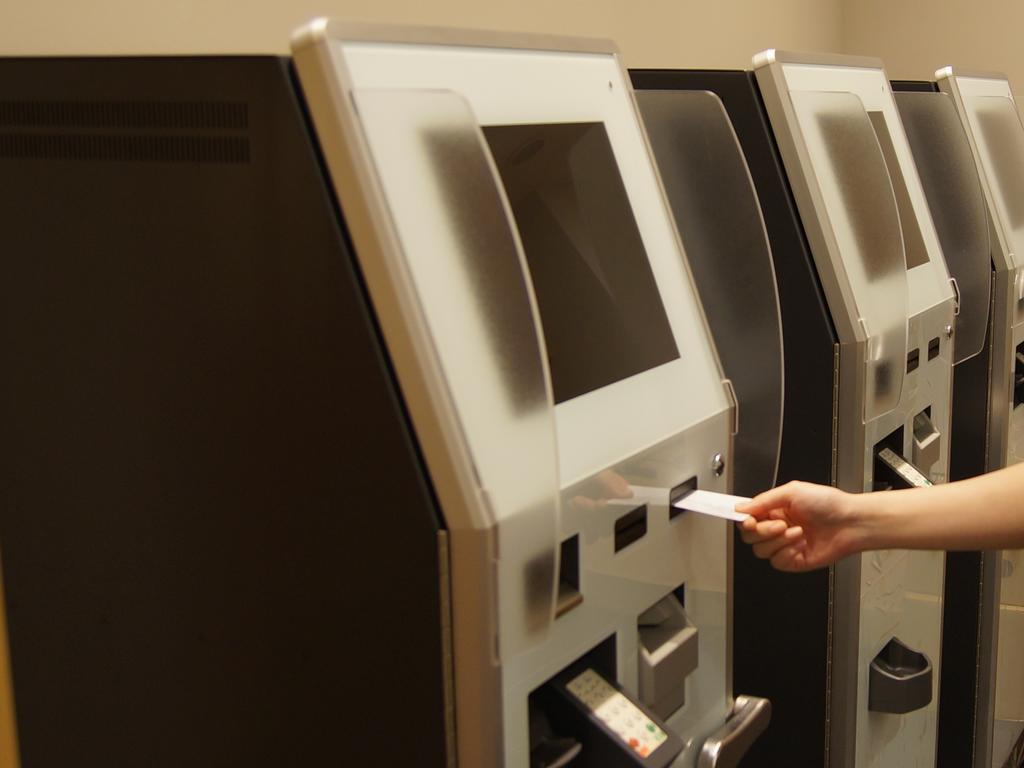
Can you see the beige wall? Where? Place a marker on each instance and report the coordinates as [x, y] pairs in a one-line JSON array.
[[715, 33], [915, 37]]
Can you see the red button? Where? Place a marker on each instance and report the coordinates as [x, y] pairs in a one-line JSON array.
[[634, 743]]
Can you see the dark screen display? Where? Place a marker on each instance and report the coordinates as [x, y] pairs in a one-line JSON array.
[[602, 315]]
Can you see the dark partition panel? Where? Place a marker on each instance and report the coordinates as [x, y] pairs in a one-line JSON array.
[[218, 545]]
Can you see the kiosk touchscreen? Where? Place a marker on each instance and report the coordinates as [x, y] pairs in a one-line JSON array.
[[989, 115], [561, 381]]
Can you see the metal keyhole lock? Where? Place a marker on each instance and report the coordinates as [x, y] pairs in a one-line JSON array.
[[717, 465]]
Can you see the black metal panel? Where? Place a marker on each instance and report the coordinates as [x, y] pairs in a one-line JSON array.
[[958, 678], [797, 688], [921, 86], [969, 430], [963, 613], [219, 547]]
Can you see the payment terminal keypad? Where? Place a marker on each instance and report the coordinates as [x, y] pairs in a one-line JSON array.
[[617, 712]]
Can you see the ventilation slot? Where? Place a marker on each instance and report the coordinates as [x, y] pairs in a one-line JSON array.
[[162, 149], [232, 116]]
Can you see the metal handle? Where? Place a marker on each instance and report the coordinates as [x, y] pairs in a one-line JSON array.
[[727, 746]]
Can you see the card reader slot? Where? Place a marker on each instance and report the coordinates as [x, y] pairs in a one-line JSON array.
[[913, 359], [630, 527], [678, 492], [569, 595], [882, 475], [892, 471]]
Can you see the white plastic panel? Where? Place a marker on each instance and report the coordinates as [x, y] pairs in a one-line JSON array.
[[973, 95], [860, 210], [927, 281], [470, 279], [515, 86], [950, 180], [1000, 137]]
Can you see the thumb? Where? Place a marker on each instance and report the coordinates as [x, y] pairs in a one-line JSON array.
[[761, 505]]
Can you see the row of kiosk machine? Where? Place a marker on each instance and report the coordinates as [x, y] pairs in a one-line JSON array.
[[351, 402]]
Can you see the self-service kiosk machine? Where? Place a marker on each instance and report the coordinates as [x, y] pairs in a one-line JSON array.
[[563, 386], [856, 243], [949, 176], [988, 113], [854, 180], [357, 383]]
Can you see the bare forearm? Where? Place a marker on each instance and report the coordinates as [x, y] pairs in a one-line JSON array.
[[985, 512]]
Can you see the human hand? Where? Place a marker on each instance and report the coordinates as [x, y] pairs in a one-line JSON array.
[[800, 526]]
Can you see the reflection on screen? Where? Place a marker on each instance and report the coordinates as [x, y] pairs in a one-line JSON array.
[[863, 184], [600, 309], [913, 242], [1002, 132], [850, 172]]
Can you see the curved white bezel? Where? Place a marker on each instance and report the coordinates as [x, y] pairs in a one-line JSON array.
[[515, 86], [928, 284], [971, 90]]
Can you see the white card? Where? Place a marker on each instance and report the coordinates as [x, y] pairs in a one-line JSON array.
[[715, 504]]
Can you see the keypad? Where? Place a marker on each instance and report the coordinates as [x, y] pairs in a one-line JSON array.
[[617, 712]]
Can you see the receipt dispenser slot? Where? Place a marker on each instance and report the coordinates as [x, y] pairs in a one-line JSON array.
[[668, 654]]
